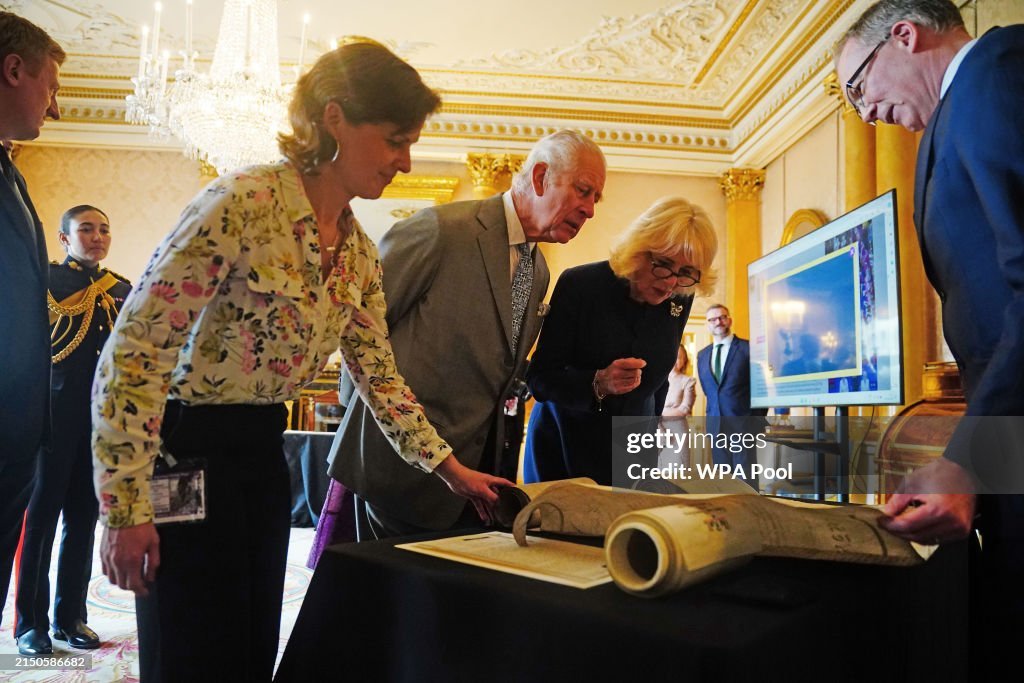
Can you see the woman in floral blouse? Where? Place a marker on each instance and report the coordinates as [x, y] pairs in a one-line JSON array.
[[239, 308]]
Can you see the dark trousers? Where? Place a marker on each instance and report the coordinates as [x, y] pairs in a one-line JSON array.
[[16, 480], [997, 587], [63, 483], [214, 612]]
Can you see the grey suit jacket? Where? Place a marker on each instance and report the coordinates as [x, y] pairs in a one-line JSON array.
[[449, 297]]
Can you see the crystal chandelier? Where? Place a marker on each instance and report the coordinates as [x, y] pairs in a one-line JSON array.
[[230, 116]]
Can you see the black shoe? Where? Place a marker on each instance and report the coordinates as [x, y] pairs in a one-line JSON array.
[[34, 642], [78, 636]]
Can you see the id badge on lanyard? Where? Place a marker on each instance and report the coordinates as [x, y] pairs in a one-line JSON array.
[[178, 490]]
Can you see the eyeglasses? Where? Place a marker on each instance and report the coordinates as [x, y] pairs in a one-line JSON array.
[[855, 91], [714, 320], [685, 277]]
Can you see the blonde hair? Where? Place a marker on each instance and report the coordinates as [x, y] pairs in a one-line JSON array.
[[370, 84], [671, 227]]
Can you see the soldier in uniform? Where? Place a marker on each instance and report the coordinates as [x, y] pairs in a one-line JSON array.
[[83, 301]]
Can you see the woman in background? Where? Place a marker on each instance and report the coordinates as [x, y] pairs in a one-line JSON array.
[[682, 387], [265, 275], [608, 344]]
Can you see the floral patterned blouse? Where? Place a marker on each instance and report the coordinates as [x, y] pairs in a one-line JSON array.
[[232, 309]]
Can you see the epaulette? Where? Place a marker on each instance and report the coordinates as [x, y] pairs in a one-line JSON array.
[[120, 277]]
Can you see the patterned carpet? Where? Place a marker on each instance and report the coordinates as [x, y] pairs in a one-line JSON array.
[[112, 616]]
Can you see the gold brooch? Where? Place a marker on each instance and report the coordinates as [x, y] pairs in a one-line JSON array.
[[675, 309]]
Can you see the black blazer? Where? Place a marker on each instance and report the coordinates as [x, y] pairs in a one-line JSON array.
[[25, 348], [593, 322]]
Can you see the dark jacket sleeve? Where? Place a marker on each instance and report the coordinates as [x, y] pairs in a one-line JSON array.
[[555, 374]]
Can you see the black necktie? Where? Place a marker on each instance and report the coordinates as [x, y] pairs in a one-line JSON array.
[[718, 363]]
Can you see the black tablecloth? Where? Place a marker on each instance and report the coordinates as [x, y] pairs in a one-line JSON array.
[[306, 453], [377, 613]]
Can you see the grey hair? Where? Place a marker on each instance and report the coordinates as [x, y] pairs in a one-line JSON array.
[[561, 152], [874, 24]]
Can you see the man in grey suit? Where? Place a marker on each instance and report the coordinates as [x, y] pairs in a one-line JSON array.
[[29, 64], [464, 284]]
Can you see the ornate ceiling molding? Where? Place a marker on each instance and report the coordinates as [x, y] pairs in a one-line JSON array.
[[697, 87], [669, 45]]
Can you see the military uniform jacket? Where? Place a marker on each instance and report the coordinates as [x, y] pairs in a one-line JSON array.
[[83, 302]]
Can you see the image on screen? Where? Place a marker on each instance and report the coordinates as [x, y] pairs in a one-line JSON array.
[[824, 315]]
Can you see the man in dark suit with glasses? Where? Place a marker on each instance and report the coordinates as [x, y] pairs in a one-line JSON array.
[[913, 63]]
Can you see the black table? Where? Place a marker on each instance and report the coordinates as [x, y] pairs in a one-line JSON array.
[[377, 613]]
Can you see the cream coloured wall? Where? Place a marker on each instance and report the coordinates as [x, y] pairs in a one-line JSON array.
[[805, 176], [143, 194]]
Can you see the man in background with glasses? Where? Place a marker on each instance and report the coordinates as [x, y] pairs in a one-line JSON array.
[[724, 371], [913, 63]]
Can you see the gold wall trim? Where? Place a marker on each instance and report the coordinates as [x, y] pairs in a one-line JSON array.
[[476, 109], [439, 189], [782, 104], [802, 219], [67, 75], [70, 90], [578, 98], [526, 137], [87, 93], [485, 110], [744, 13], [785, 65]]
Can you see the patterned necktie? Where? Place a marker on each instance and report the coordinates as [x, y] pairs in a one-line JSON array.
[[718, 363], [522, 283]]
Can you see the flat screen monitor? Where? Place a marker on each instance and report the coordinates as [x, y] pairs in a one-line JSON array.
[[825, 315]]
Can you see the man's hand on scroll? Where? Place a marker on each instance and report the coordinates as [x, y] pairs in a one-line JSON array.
[[478, 487], [935, 503], [621, 377]]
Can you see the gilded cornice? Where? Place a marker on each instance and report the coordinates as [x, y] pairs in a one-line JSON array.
[[742, 183], [438, 189], [697, 84]]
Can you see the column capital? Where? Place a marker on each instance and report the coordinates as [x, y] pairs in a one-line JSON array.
[[484, 169], [207, 171], [742, 183], [833, 88], [491, 173]]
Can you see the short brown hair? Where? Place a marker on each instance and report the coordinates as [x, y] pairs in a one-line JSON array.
[[19, 36], [875, 22], [370, 84]]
